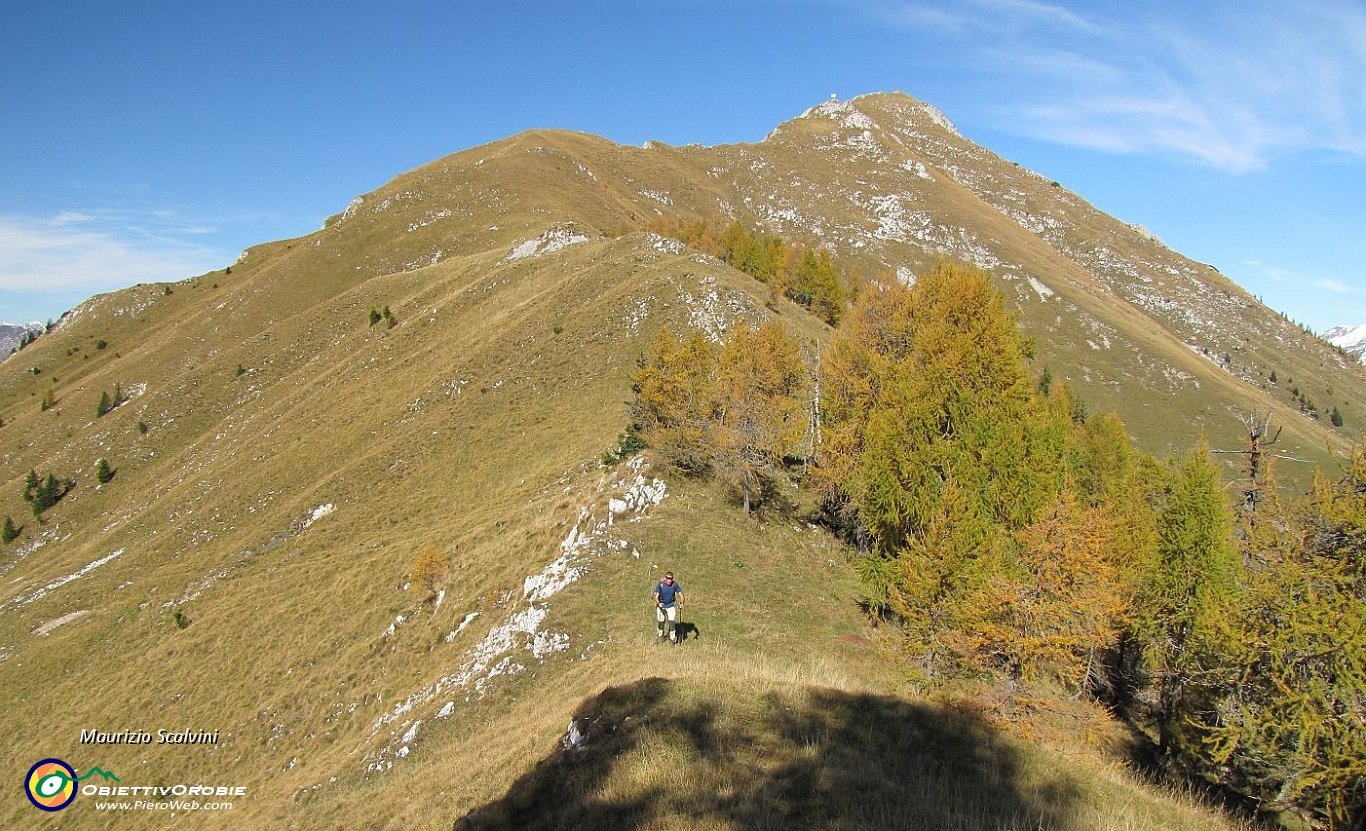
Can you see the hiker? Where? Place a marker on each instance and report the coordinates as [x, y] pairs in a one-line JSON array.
[[668, 597]]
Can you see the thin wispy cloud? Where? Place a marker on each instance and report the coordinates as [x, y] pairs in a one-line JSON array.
[[83, 251], [1331, 300], [1030, 10], [1290, 277], [1336, 286], [1230, 85]]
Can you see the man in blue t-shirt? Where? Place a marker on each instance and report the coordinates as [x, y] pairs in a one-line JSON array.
[[668, 597]]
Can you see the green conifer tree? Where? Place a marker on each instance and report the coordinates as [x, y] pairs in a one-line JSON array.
[[9, 533], [47, 494], [1192, 588], [1281, 719]]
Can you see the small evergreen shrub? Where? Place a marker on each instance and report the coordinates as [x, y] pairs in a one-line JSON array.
[[109, 402], [629, 444], [43, 495]]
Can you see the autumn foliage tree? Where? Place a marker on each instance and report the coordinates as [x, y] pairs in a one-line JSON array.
[[1006, 531], [733, 409], [939, 448], [675, 391], [1054, 606]]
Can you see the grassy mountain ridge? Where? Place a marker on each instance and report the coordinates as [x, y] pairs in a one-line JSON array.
[[245, 569], [888, 185]]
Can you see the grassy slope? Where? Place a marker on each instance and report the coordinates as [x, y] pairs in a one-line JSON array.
[[472, 426]]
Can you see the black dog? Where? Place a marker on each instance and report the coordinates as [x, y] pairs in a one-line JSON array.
[[682, 630]]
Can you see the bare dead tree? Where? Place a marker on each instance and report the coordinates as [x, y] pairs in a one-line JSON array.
[[1259, 438]]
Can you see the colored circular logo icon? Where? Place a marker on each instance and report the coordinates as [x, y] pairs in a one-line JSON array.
[[51, 784]]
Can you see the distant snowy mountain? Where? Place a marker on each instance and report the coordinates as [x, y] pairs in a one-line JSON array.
[[11, 333], [1351, 338]]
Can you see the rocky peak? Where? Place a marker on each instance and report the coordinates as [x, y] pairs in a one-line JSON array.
[[1350, 338]]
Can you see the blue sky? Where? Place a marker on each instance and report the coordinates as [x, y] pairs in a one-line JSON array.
[[148, 141]]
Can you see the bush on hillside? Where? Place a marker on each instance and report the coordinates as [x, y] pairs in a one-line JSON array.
[[629, 443], [429, 573]]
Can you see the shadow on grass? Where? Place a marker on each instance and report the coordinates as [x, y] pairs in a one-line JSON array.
[[662, 754]]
